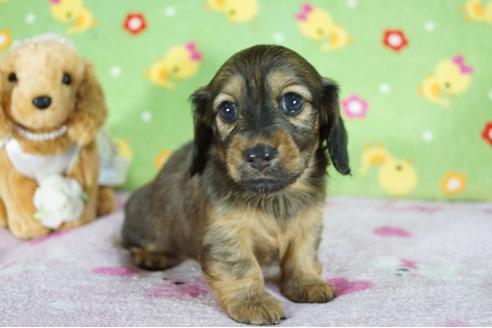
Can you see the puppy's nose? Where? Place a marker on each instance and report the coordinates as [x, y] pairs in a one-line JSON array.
[[260, 156], [42, 102]]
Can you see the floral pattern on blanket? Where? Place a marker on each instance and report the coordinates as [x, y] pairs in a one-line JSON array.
[[390, 262]]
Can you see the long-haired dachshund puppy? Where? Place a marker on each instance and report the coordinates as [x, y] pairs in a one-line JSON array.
[[250, 190]]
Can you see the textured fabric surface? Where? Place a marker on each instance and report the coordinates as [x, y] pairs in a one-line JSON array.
[[414, 75], [403, 263]]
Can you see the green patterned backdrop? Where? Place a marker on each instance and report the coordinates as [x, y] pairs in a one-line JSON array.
[[415, 75]]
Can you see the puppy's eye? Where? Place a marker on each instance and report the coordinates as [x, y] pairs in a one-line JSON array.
[[292, 103], [228, 111], [12, 77], [67, 79]]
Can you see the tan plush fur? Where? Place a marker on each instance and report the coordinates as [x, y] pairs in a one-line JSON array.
[[39, 68]]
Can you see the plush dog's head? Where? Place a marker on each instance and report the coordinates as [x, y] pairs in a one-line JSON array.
[[265, 114], [46, 85]]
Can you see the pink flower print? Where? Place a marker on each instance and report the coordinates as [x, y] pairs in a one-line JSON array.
[[178, 289], [51, 236], [409, 264], [115, 271], [345, 287], [354, 107], [391, 232]]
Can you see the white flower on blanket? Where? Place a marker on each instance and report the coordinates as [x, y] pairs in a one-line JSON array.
[[58, 199]]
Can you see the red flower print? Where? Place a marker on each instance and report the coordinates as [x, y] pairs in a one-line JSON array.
[[395, 40], [134, 23], [487, 133]]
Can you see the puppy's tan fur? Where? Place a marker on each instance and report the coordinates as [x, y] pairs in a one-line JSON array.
[[39, 67], [208, 203]]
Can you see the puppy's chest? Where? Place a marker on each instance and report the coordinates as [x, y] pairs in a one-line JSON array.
[[270, 238]]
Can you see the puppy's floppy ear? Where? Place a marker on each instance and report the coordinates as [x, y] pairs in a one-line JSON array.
[[6, 125], [90, 109], [202, 120], [332, 130]]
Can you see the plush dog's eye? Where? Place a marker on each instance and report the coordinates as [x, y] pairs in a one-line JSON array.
[[228, 111], [292, 103], [67, 79], [12, 77]]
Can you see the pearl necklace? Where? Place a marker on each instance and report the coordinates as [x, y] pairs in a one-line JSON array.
[[41, 136]]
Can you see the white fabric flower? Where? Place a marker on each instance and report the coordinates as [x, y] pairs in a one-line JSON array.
[[58, 199]]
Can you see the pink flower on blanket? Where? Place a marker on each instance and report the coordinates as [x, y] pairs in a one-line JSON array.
[[409, 264], [51, 236], [178, 289], [120, 271], [392, 232], [345, 287]]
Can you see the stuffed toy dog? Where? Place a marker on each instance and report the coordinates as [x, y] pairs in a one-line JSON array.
[[51, 112]]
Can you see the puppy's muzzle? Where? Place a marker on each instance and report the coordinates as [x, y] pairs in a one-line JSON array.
[[42, 102], [260, 156]]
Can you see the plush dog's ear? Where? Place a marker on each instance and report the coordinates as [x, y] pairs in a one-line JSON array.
[[202, 120], [90, 109], [332, 130], [6, 125]]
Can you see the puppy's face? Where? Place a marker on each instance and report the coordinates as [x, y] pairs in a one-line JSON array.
[[42, 80], [265, 114]]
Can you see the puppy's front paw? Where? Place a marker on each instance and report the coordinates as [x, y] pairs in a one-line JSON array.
[[308, 291], [262, 309]]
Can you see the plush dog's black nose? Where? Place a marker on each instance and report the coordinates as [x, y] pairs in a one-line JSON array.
[[260, 156], [42, 102]]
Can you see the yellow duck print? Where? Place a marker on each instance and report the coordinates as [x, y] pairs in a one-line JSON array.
[[237, 11], [396, 177], [317, 24], [476, 11], [72, 11], [451, 77], [373, 156], [179, 63]]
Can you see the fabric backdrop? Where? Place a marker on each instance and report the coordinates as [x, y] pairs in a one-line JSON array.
[[415, 76]]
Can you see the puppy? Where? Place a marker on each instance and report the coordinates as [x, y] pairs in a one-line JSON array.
[[250, 190]]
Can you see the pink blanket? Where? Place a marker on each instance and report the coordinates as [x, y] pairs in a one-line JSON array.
[[406, 263]]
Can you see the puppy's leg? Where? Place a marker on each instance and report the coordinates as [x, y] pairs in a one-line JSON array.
[[3, 215], [301, 269], [233, 273], [146, 231], [148, 259]]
